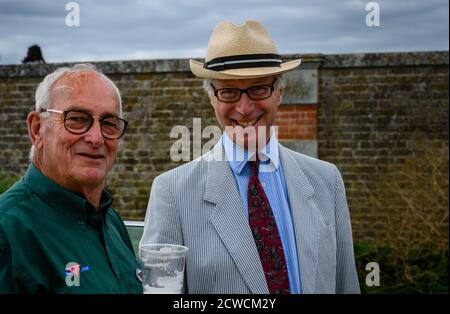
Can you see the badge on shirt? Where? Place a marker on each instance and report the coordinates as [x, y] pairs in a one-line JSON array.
[[73, 272]]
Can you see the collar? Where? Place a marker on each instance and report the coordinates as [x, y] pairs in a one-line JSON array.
[[59, 197], [237, 157]]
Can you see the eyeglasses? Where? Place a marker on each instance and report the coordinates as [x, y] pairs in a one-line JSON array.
[[231, 94], [79, 122]]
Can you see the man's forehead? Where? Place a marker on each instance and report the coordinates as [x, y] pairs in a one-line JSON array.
[[73, 82], [244, 82], [77, 80]]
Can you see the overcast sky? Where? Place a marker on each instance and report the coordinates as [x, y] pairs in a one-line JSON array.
[[161, 29]]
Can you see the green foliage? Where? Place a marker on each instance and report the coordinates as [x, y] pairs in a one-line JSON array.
[[410, 270], [6, 181]]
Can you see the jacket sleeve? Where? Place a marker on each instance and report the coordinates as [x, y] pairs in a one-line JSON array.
[[162, 221], [346, 275]]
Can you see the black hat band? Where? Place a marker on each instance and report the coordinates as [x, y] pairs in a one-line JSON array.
[[244, 61]]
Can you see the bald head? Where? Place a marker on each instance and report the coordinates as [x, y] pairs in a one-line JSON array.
[[44, 90], [70, 84]]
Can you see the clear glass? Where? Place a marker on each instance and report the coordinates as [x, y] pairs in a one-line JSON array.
[[163, 268]]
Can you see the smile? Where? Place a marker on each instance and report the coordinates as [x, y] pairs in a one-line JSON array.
[[92, 156], [245, 124]]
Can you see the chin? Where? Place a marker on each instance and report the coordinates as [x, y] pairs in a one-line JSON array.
[[91, 176]]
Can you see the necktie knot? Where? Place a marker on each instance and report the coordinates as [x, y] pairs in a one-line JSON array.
[[254, 165]]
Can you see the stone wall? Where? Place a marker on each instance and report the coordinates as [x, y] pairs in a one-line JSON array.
[[370, 114], [383, 120]]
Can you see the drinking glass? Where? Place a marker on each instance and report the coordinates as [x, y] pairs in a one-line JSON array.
[[163, 268]]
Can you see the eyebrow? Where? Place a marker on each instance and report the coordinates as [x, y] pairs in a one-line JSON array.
[[256, 83], [104, 114]]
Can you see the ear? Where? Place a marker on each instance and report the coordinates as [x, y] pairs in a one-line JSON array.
[[34, 128], [279, 95], [212, 100]]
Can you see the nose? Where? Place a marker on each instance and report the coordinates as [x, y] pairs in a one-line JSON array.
[[245, 105], [94, 134]]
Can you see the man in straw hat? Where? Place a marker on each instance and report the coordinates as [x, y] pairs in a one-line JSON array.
[[256, 216]]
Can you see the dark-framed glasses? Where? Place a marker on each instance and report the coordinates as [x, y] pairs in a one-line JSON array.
[[233, 94], [79, 122]]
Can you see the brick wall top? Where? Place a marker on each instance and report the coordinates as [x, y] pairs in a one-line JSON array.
[[131, 67], [386, 59], [182, 65]]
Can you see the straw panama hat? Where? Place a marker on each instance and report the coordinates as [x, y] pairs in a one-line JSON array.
[[239, 52]]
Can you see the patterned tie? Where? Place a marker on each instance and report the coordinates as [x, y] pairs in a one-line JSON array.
[[265, 231]]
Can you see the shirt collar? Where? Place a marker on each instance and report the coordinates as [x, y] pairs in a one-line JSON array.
[[58, 197], [237, 157]]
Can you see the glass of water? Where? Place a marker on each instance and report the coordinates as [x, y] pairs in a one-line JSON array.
[[162, 268]]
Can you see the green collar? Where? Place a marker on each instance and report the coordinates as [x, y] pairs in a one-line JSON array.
[[63, 200]]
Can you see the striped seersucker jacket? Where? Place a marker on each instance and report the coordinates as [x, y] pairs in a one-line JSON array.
[[198, 205]]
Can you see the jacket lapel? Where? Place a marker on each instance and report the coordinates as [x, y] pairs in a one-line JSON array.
[[230, 222], [305, 216]]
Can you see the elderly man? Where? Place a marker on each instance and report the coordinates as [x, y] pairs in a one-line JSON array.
[[256, 216], [58, 232]]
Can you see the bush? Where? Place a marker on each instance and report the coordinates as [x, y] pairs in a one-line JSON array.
[[6, 181], [405, 211], [415, 270]]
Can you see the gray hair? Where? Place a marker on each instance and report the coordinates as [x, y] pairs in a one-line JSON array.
[[279, 83], [43, 91]]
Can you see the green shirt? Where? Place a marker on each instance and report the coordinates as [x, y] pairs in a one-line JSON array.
[[44, 227]]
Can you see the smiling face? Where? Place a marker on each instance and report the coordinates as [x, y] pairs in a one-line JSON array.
[[248, 119], [77, 161]]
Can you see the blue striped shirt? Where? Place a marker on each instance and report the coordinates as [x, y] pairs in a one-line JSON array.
[[272, 179]]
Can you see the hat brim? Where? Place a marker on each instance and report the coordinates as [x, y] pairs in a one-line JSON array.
[[199, 71]]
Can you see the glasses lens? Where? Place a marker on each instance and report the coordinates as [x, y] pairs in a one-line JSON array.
[[112, 127], [228, 94], [259, 92], [77, 121]]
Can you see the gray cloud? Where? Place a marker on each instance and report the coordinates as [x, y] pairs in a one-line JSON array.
[[137, 29]]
